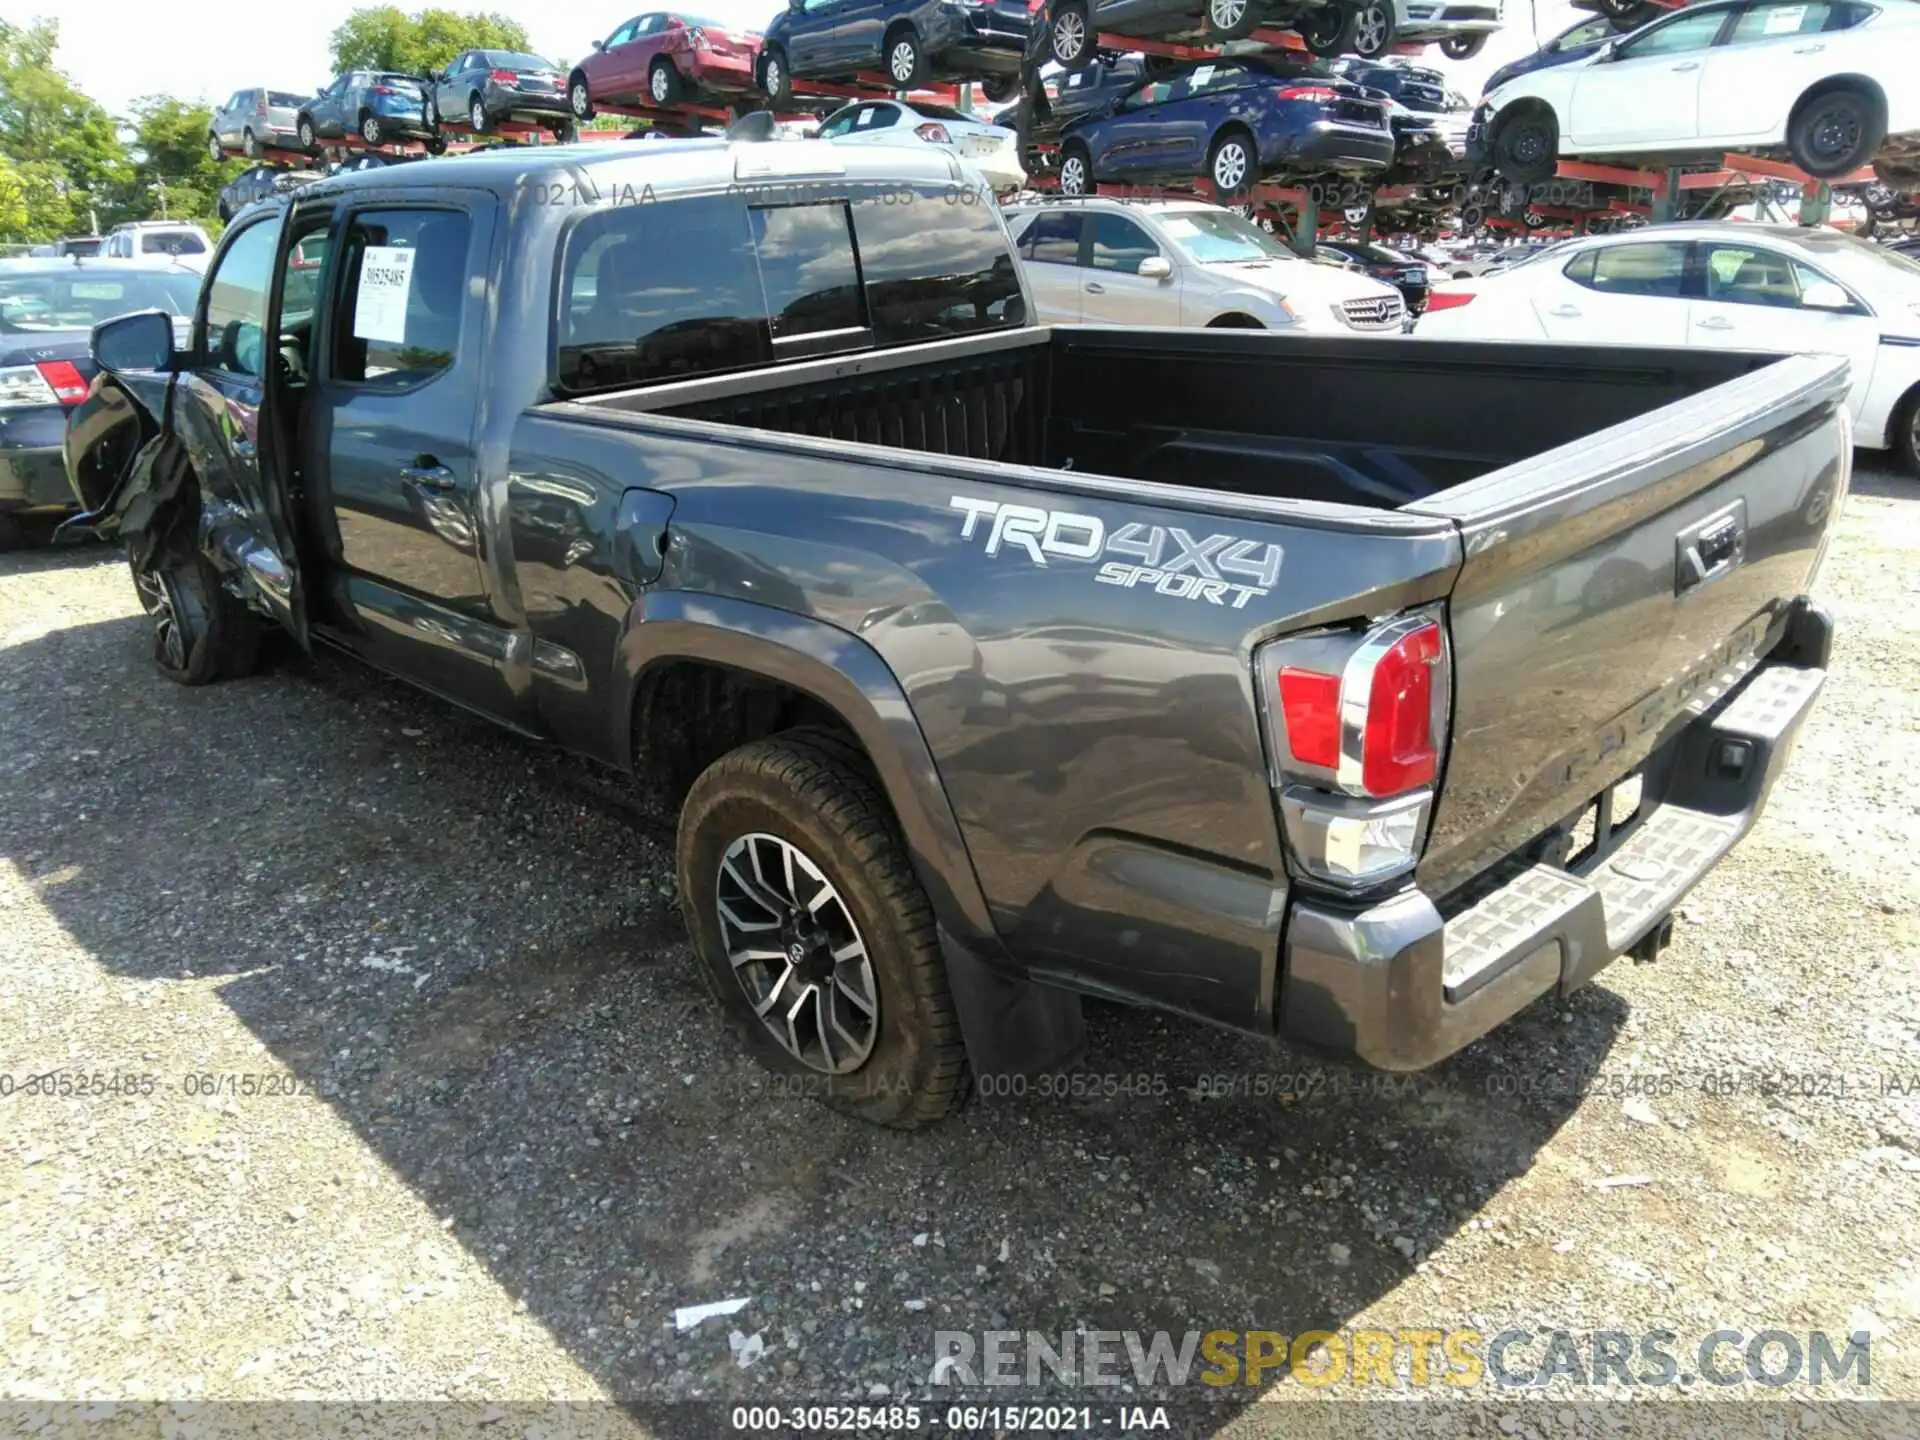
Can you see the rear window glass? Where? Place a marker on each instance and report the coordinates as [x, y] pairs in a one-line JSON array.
[[681, 288], [173, 242], [284, 98], [81, 298]]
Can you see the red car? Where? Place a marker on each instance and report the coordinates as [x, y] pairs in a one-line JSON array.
[[660, 58]]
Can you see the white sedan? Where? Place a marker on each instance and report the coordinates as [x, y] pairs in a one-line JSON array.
[[993, 150], [1738, 287], [1830, 82]]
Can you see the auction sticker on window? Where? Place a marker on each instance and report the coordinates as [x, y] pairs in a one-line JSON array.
[[380, 312]]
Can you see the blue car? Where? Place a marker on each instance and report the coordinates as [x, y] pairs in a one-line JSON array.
[[911, 42], [1234, 121], [1570, 44]]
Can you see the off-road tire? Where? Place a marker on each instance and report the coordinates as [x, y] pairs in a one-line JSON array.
[[815, 791]]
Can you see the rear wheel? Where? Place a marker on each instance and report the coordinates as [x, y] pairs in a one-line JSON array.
[[1232, 166], [565, 131], [309, 141], [371, 130], [999, 89], [774, 78], [436, 144], [1834, 132], [1330, 29], [477, 119], [814, 933], [663, 81], [1076, 169], [200, 632], [250, 145], [1069, 36], [1462, 47], [213, 148], [1374, 29], [906, 66], [1231, 19]]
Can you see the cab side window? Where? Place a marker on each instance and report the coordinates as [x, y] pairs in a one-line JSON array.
[[1052, 239], [401, 306], [1119, 244], [232, 332]]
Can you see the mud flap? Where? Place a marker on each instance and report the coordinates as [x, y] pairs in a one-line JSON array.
[[1011, 1026]]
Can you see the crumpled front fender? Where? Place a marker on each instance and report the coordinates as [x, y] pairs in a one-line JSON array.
[[117, 455]]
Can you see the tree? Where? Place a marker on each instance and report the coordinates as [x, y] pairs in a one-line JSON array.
[[173, 170], [384, 37], [64, 149]]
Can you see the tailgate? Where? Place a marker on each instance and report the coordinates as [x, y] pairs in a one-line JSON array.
[[1614, 588]]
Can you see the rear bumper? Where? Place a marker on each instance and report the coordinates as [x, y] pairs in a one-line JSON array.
[[34, 477], [506, 100], [728, 73], [1401, 988], [1331, 145]]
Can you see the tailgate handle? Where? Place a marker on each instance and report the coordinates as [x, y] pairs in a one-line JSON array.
[[1709, 549]]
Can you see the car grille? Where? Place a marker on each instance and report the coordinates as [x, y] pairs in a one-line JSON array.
[[1383, 312]]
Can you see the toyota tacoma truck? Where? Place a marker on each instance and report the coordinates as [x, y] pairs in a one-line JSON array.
[[1357, 691]]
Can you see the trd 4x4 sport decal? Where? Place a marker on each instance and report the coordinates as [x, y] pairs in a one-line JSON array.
[[1220, 569]]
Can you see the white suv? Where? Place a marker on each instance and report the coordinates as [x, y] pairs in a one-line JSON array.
[[1184, 262], [176, 240]]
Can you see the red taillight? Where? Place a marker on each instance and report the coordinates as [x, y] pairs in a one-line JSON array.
[[1320, 94], [504, 77], [1310, 704], [933, 134], [1448, 299], [1399, 751], [1034, 7], [382, 90], [69, 388]]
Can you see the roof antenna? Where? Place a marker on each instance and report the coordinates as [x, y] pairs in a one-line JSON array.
[[755, 128]]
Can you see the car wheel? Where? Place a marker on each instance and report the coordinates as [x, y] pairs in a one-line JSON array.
[[308, 140], [1373, 29], [578, 100], [1472, 217], [1076, 170], [663, 81], [1526, 150], [214, 148], [906, 68], [250, 145], [370, 129], [1329, 30], [566, 132], [775, 81], [1834, 132], [1069, 37], [436, 144], [999, 89], [813, 932], [200, 632], [1462, 47], [1906, 433], [1232, 166], [1231, 19], [477, 120]]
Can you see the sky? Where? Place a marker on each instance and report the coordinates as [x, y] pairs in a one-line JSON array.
[[116, 50]]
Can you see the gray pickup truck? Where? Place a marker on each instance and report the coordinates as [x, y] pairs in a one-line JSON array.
[[1358, 691]]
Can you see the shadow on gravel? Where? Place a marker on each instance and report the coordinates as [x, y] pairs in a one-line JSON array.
[[466, 946], [39, 553]]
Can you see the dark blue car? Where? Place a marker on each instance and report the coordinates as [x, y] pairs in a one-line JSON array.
[[1234, 121], [911, 42], [1570, 44]]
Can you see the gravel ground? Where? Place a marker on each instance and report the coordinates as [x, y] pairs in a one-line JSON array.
[[520, 1136]]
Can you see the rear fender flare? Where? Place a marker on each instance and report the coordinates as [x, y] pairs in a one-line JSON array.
[[848, 677]]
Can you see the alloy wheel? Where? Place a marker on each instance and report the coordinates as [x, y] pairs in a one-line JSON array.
[[306, 135], [1225, 14], [797, 953], [660, 86], [1069, 37], [213, 148], [1230, 167], [773, 77], [477, 116], [1073, 176], [1370, 31], [903, 61], [370, 130], [157, 599], [577, 98]]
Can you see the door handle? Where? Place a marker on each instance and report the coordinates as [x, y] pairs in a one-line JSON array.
[[429, 477], [1686, 65], [1715, 322], [1566, 312], [1094, 287], [1808, 49]]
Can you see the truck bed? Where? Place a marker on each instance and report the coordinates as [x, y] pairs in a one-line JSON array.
[[1372, 422]]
